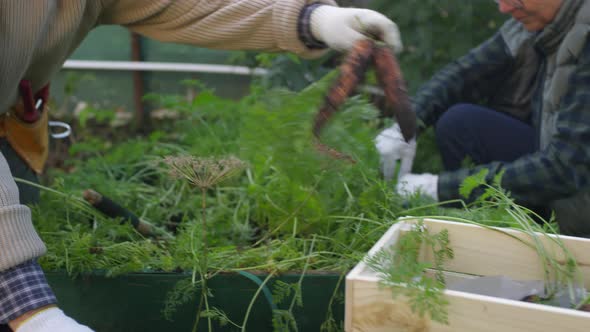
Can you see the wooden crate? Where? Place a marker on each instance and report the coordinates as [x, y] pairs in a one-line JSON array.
[[478, 252]]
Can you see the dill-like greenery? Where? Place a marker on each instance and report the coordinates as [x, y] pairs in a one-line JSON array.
[[289, 196], [400, 269], [558, 274]]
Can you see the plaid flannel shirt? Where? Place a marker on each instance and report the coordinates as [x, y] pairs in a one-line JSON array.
[[23, 288], [558, 171]]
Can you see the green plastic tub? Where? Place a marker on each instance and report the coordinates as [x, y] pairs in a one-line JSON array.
[[134, 302]]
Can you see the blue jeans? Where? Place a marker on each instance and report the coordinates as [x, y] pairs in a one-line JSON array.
[[482, 135]]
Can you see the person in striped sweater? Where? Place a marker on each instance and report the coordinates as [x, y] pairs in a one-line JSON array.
[[37, 38]]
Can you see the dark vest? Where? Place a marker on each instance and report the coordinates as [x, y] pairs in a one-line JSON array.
[[548, 58]]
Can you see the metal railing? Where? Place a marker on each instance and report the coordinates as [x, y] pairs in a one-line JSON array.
[[163, 66]]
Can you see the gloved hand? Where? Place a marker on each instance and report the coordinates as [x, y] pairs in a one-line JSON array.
[[51, 319], [392, 147], [426, 183], [340, 28]]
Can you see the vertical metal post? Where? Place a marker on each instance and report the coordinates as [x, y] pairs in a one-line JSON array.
[[141, 120]]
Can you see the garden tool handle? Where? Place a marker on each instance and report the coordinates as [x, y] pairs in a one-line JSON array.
[[109, 208], [115, 210]]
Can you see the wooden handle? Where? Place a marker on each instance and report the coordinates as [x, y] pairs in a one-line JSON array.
[[109, 207], [112, 209]]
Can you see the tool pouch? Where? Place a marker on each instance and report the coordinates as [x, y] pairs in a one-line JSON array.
[[29, 140], [26, 126]]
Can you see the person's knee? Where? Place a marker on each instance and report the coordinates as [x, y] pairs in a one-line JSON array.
[[450, 124]]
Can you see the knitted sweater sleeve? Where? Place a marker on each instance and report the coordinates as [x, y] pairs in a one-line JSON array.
[[18, 240], [263, 25]]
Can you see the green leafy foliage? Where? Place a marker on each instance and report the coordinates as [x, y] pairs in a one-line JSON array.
[[283, 321], [560, 268], [290, 199], [282, 291], [436, 32], [183, 292], [473, 182], [273, 217], [400, 269]]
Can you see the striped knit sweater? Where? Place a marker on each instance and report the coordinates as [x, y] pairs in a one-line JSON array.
[[37, 36]]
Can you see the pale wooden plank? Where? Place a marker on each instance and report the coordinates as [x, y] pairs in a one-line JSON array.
[[373, 308], [387, 240], [484, 252], [474, 313], [349, 302], [369, 307]]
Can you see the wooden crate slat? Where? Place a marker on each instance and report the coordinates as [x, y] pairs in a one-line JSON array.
[[484, 252], [478, 251]]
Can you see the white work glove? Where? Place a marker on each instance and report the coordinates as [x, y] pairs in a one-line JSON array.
[[51, 320], [392, 147], [340, 28], [425, 183]]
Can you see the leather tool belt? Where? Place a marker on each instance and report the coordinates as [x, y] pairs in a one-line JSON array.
[[25, 126]]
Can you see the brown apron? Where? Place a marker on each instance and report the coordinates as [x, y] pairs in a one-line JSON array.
[[25, 126]]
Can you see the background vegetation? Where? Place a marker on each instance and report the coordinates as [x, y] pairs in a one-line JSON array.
[[270, 129], [291, 209]]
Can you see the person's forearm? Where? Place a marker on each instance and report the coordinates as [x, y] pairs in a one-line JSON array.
[[531, 180], [265, 25], [465, 80], [19, 241], [558, 170]]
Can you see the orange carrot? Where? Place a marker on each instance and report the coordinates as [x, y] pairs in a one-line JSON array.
[[398, 104], [352, 72]]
